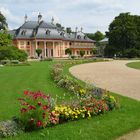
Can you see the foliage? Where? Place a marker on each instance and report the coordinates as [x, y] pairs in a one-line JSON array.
[[38, 51], [68, 51], [124, 36], [5, 39], [82, 53], [110, 101], [8, 51], [35, 110], [94, 106], [12, 53], [3, 23], [10, 128], [97, 36], [132, 53], [47, 59], [66, 81], [94, 51]]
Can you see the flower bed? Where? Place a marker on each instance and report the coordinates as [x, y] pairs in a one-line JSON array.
[[39, 110]]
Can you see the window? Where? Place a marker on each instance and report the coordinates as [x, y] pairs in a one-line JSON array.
[[90, 52], [78, 52], [85, 37], [28, 43], [78, 37], [38, 43], [23, 32], [70, 44], [21, 42], [48, 32], [62, 33]]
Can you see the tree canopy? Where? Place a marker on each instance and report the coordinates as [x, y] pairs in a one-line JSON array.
[[8, 50], [124, 36], [97, 36], [3, 23]]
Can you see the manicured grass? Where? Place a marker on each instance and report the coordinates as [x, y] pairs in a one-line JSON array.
[[14, 80], [135, 65]]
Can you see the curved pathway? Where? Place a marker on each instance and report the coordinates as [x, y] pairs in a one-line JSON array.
[[112, 75]]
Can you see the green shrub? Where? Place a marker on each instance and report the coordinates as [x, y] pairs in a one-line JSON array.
[[47, 59], [12, 53], [82, 53], [132, 53], [73, 57]]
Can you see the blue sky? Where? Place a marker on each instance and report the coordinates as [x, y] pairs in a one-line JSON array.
[[92, 15]]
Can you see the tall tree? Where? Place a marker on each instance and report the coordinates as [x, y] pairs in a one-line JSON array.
[[5, 39], [124, 34], [3, 23], [97, 36]]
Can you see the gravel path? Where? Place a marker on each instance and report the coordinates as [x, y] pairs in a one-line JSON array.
[[114, 76]]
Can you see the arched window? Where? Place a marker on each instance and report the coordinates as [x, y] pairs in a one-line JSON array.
[[78, 37], [23, 32], [62, 33], [48, 32], [85, 37]]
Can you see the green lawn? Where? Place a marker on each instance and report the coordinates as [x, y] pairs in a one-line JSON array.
[[135, 65], [14, 80]]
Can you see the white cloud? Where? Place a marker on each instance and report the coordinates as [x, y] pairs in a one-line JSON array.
[[12, 19], [92, 15]]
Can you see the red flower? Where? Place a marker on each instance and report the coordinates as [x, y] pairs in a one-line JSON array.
[[39, 103], [39, 123], [23, 110], [26, 92], [44, 107], [32, 107]]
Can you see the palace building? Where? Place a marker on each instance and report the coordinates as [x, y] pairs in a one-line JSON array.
[[51, 39]]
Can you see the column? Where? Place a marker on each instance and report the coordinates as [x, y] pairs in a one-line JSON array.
[[60, 49], [53, 50], [36, 47], [44, 49]]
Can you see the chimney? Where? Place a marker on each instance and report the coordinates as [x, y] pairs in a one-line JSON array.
[[76, 29], [39, 17], [81, 29], [52, 20], [25, 18]]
